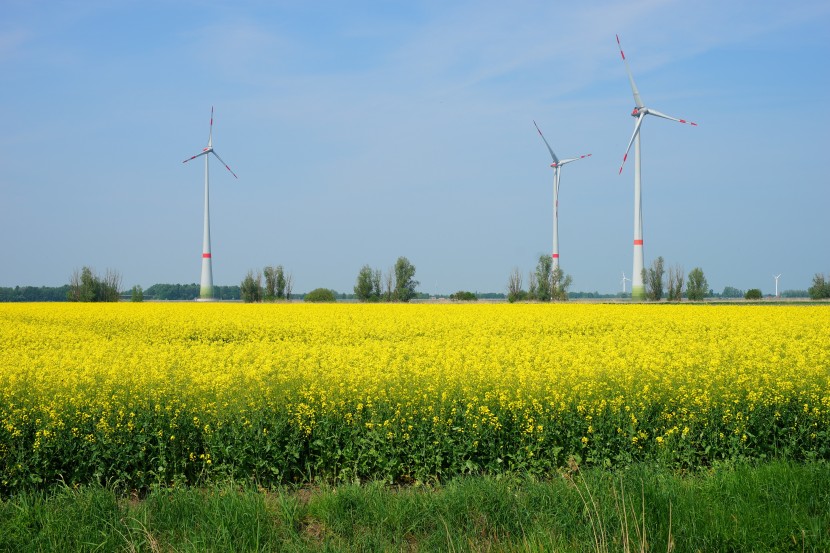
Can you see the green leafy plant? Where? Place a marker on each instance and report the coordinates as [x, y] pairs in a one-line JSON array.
[[753, 294], [321, 295]]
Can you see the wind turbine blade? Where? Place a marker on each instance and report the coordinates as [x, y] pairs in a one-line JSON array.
[[552, 155], [210, 135], [194, 157], [564, 161], [637, 101], [633, 136], [223, 163], [669, 117]]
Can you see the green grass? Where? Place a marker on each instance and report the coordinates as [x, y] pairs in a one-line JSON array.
[[774, 506]]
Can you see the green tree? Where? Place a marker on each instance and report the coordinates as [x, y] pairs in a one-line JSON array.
[[675, 281], [251, 288], [377, 284], [544, 270], [821, 287], [405, 282], [89, 286], [364, 288], [532, 290], [753, 294], [559, 284], [732, 292], [514, 287], [274, 283], [319, 295], [270, 274], [86, 286], [697, 287], [281, 283], [653, 280], [289, 285], [463, 295], [137, 294]]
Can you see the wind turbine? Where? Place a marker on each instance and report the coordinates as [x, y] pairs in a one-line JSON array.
[[624, 278], [776, 277], [206, 286], [557, 166], [638, 290]]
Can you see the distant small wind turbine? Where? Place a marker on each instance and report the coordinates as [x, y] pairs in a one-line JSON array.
[[638, 290], [624, 278], [206, 286], [776, 277], [557, 165]]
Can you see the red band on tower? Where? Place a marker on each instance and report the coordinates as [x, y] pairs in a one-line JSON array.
[[206, 255], [638, 242]]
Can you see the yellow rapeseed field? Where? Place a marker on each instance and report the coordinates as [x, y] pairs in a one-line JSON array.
[[139, 394]]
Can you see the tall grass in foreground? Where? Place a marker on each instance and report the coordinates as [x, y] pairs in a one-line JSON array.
[[776, 506]]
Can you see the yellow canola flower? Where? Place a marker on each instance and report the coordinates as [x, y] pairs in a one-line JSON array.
[[545, 376]]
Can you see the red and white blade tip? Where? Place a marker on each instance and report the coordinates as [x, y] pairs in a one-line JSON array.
[[625, 157]]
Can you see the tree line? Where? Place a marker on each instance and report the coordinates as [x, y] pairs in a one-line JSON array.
[[186, 292], [34, 293], [546, 283], [656, 280], [278, 285], [398, 284]]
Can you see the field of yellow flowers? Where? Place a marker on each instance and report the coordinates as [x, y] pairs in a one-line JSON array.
[[139, 394]]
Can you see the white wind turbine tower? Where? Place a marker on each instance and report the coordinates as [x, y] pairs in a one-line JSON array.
[[206, 287], [557, 166], [640, 111], [776, 277], [624, 278]]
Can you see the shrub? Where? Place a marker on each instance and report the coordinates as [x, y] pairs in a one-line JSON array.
[[753, 294], [521, 295], [463, 296], [321, 295]]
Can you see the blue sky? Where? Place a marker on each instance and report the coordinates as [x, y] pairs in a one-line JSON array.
[[364, 131]]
